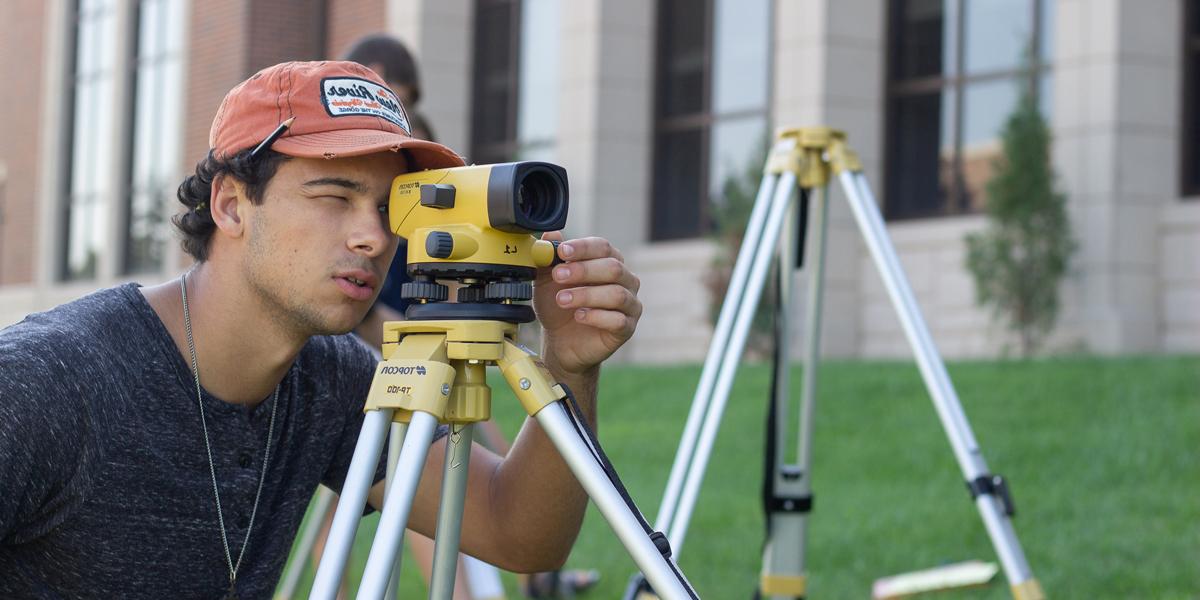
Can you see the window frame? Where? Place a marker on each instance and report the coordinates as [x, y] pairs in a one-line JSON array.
[[957, 201], [703, 121]]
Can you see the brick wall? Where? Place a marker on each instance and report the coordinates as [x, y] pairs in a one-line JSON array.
[[21, 28], [216, 63], [348, 20]]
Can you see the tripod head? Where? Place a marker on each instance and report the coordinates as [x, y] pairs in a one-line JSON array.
[[475, 225]]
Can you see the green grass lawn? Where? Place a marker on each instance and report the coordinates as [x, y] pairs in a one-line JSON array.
[[1102, 458]]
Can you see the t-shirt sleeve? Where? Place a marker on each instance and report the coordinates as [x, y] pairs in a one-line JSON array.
[[43, 428]]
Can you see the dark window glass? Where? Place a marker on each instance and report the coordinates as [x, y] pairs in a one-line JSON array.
[[678, 161], [918, 39], [957, 71], [915, 190], [1190, 167], [494, 109], [684, 59]]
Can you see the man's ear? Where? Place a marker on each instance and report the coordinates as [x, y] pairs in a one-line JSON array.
[[225, 200]]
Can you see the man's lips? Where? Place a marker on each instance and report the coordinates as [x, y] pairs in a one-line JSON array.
[[356, 283]]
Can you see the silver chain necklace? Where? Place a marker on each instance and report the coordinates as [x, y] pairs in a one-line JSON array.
[[233, 567]]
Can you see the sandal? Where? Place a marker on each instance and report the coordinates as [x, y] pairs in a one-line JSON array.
[[560, 584]]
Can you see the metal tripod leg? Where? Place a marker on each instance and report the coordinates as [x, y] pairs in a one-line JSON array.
[[699, 412], [449, 526], [397, 506], [307, 540], [395, 445], [994, 510], [350, 506], [781, 198], [657, 569], [783, 569]]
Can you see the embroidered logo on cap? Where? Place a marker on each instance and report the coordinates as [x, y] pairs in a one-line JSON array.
[[351, 96]]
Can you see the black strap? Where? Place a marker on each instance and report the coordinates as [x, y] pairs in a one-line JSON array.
[[993, 485], [660, 541]]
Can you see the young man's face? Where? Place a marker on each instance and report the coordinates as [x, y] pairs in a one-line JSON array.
[[318, 246]]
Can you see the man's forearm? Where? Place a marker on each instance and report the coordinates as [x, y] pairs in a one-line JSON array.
[[536, 494]]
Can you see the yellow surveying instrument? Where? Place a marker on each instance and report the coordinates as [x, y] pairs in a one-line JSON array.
[[472, 225], [807, 159]]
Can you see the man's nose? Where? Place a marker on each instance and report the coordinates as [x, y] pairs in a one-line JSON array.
[[370, 234]]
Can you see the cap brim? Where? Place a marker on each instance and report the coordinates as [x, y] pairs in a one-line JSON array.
[[358, 142]]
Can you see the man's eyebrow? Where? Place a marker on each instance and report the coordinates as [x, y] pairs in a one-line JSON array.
[[350, 184]]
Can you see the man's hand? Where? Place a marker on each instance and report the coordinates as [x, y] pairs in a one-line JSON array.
[[588, 306]]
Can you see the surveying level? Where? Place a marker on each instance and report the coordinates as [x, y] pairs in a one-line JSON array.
[[472, 225], [806, 159]]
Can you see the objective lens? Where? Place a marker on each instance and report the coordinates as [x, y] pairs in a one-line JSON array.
[[539, 197], [527, 197]]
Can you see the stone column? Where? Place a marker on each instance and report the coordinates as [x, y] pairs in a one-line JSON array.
[[1116, 90], [829, 70], [441, 34]]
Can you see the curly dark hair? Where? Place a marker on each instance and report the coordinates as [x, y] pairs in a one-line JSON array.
[[196, 224]]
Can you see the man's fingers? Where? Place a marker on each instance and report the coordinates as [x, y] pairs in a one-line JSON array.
[[607, 320], [612, 297], [596, 271], [588, 248]]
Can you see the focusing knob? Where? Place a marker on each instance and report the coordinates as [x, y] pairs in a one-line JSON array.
[[471, 293], [509, 290], [439, 244], [424, 290]]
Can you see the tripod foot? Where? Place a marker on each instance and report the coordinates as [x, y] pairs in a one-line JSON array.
[[1029, 589]]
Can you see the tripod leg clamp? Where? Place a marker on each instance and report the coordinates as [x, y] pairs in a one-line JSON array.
[[993, 485], [529, 378], [411, 385]]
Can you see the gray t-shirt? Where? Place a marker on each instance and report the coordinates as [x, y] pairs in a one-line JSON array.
[[105, 488]]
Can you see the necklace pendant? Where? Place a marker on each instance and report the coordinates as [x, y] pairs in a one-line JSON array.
[[232, 593]]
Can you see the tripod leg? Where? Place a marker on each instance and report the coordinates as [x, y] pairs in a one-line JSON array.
[[758, 274], [304, 547], [783, 574], [449, 526], [700, 411], [350, 506], [395, 444], [397, 506], [992, 509], [555, 421]]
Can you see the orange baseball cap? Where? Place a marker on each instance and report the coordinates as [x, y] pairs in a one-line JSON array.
[[341, 109]]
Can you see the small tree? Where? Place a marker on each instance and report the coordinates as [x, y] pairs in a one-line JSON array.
[[1018, 261]]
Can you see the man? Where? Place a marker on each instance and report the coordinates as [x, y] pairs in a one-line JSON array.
[[164, 441]]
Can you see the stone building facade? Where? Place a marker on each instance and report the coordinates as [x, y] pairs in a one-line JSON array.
[[652, 107]]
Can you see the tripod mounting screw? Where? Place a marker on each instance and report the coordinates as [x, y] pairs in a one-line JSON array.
[[524, 383]]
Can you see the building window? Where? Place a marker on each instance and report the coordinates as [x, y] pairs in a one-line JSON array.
[[956, 72], [157, 131], [1190, 169], [713, 77], [93, 128], [515, 95], [124, 132]]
